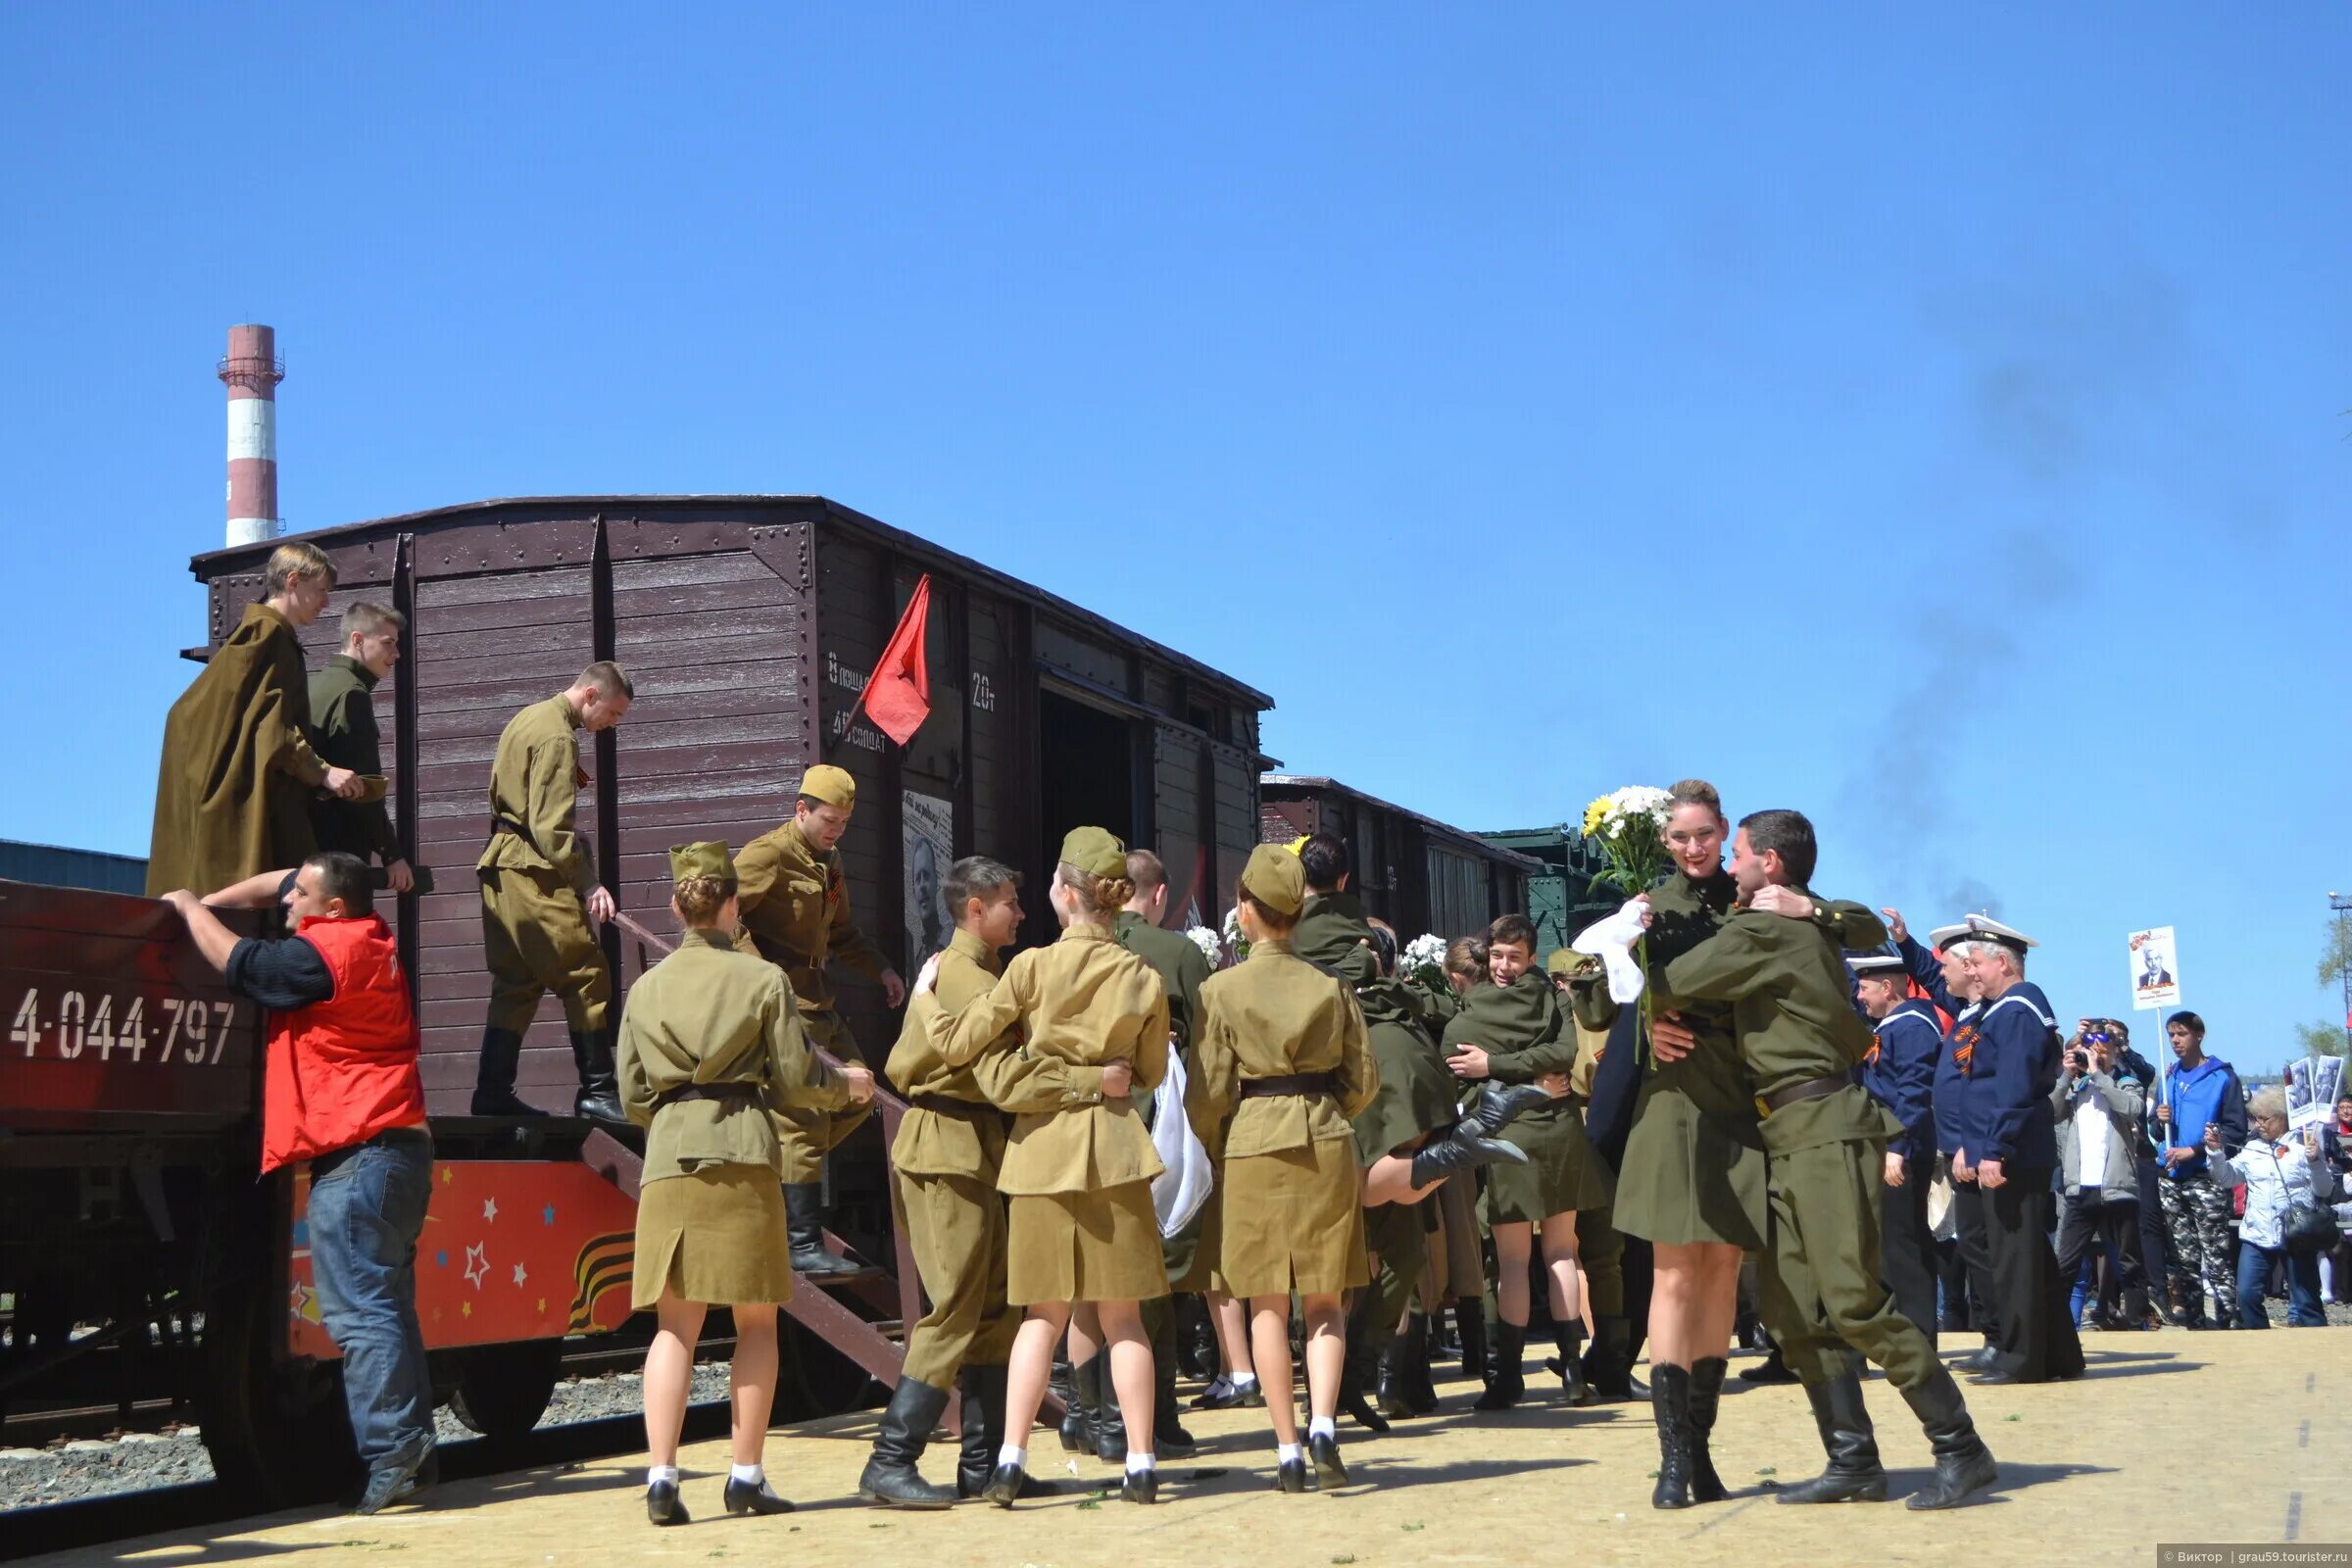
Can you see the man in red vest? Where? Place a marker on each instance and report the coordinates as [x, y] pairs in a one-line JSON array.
[[341, 1090]]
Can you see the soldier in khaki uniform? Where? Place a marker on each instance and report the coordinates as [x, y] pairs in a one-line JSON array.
[[1284, 1065], [539, 892], [944, 1163], [1081, 1225], [796, 914], [1825, 1139], [710, 1045]]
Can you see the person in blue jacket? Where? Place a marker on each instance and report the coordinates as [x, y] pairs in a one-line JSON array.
[[2200, 1249], [1900, 1074], [1941, 970], [2011, 1144]]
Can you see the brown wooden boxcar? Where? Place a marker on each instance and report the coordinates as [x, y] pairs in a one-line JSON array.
[[748, 624], [1413, 871]]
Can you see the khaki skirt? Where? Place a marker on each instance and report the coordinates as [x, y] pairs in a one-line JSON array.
[[716, 1235], [1563, 1171], [1292, 1220], [1691, 1175], [1084, 1246]]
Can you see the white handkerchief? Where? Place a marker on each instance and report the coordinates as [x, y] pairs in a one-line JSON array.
[[1611, 941]]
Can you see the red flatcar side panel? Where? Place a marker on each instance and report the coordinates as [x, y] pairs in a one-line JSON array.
[[512, 1250]]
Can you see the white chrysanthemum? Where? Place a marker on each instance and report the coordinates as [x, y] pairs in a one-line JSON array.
[[1425, 950], [1206, 941]]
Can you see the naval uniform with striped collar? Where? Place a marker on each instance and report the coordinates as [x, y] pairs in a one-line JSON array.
[[2014, 1070], [1900, 1074]]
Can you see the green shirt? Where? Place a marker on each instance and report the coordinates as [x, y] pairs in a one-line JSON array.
[[343, 733]]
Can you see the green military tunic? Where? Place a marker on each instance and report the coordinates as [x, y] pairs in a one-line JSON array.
[[795, 903], [1080, 1225], [232, 795], [536, 874], [1292, 1215], [1416, 1094], [1693, 1168], [343, 733], [719, 1026], [1787, 989], [945, 1162], [1526, 1034]]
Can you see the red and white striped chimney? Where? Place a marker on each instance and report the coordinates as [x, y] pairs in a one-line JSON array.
[[252, 372]]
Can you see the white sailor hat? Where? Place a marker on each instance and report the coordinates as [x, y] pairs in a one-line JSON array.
[[1943, 936], [1985, 928], [1866, 965]]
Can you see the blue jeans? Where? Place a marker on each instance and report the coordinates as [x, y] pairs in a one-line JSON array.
[[2302, 1286], [367, 1206]]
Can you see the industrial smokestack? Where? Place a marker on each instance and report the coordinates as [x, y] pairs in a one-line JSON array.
[[250, 372]]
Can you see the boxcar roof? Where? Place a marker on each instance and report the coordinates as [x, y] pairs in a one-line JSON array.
[[834, 513], [1492, 851]]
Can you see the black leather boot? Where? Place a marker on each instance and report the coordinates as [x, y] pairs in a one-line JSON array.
[[1392, 1386], [1470, 1327], [1506, 1384], [1772, 1369], [1569, 1339], [983, 1416], [1962, 1464], [1078, 1411], [1609, 1365], [1854, 1474], [1420, 1395], [1169, 1439], [599, 1099], [1498, 1104], [1706, 1393], [1109, 1415], [805, 1222], [1359, 1368], [1465, 1147], [890, 1477], [494, 1076], [1670, 1407]]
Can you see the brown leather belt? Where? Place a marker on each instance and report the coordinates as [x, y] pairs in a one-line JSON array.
[[731, 1094], [950, 1105], [1298, 1082], [1810, 1089]]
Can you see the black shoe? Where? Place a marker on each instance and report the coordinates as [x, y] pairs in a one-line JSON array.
[[1005, 1484], [1323, 1453], [1772, 1369], [494, 1078], [1250, 1399], [1984, 1360], [1290, 1475], [1465, 1147], [1505, 1383], [890, 1477], [804, 1223], [1962, 1464], [744, 1497], [1669, 1407], [1854, 1474], [1140, 1485], [1569, 1337], [661, 1505], [1706, 1391]]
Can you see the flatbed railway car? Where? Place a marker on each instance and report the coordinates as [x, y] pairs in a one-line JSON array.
[[131, 1218]]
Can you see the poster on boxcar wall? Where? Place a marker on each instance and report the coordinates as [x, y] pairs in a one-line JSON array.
[[927, 825], [2155, 969]]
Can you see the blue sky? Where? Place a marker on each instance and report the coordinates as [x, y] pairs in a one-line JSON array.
[[1937, 426]]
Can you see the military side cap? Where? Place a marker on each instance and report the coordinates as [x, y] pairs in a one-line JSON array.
[[709, 860], [1866, 965], [1094, 851], [1274, 879], [1985, 928], [1571, 963], [829, 784]]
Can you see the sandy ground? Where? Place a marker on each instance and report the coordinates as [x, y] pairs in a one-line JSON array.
[[2173, 1437]]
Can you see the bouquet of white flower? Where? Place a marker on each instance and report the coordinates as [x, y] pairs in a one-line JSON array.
[[1425, 958], [1630, 827], [1211, 948], [1236, 943]]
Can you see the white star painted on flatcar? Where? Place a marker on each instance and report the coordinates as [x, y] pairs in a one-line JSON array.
[[478, 1264]]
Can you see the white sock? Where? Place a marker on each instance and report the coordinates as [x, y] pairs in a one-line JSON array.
[[1323, 1426], [662, 1472], [1244, 1381], [1010, 1456], [1285, 1452], [750, 1473], [1139, 1464]]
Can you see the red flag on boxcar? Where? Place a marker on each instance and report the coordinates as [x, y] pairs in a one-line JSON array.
[[898, 694]]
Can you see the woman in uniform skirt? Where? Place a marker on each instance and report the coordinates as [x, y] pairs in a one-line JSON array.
[[1080, 1226], [1285, 1064], [1692, 1181], [710, 1045]]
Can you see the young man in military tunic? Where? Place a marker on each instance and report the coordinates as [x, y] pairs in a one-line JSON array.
[[1900, 1073], [344, 734], [232, 795], [539, 894], [796, 914], [1825, 1141], [944, 1163]]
